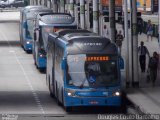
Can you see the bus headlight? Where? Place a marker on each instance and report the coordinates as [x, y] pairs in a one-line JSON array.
[[117, 93], [28, 42], [70, 93], [42, 55]]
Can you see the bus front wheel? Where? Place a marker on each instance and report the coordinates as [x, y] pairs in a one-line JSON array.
[[50, 88], [57, 98], [123, 107]]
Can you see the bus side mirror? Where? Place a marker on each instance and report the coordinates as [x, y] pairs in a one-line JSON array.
[[35, 33], [63, 64], [25, 25], [121, 63]]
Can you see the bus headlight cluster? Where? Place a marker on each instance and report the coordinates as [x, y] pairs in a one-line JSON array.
[[117, 93], [41, 55], [70, 93], [28, 42]]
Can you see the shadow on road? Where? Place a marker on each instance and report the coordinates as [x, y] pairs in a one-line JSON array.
[[11, 42]]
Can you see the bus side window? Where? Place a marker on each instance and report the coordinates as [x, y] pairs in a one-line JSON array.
[[121, 63]]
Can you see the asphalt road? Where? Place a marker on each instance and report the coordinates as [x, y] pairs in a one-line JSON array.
[[23, 91]]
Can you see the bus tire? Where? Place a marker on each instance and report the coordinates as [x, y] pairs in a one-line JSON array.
[[42, 70], [62, 98], [34, 58], [35, 63], [57, 97], [50, 89], [51, 94], [22, 46], [123, 107], [28, 51]]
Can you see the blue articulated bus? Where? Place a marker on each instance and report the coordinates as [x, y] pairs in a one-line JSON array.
[[28, 15], [48, 23], [23, 20], [83, 69]]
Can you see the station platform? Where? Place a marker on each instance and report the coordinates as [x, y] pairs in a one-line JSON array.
[[146, 98]]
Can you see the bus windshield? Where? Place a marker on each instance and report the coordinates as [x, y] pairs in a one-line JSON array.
[[92, 70]]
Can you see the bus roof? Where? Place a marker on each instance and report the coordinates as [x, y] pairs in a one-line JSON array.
[[32, 13], [52, 13], [70, 37], [81, 35], [28, 8], [40, 9], [33, 6], [69, 31], [85, 43], [57, 18]]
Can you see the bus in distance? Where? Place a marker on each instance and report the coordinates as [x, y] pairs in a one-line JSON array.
[[48, 23], [22, 29], [26, 25]]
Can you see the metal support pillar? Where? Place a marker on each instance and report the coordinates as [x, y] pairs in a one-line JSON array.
[[88, 15], [82, 14], [127, 40], [42, 2], [67, 6], [45, 2], [135, 82], [62, 6], [54, 5], [39, 2], [144, 5], [76, 15], [112, 19], [159, 21], [49, 4], [100, 18], [71, 7], [31, 2], [34, 2], [95, 16]]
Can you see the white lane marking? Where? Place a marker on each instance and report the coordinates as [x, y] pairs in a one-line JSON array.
[[12, 51], [35, 95]]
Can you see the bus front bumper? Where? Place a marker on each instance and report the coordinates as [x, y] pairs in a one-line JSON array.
[[28, 45], [91, 101], [41, 62]]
